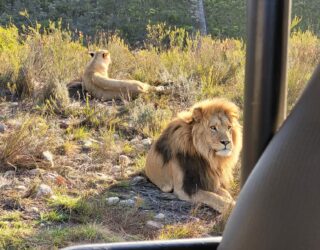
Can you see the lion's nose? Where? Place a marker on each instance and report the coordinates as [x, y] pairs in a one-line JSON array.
[[225, 142]]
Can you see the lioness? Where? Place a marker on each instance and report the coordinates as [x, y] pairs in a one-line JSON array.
[[97, 81], [195, 155]]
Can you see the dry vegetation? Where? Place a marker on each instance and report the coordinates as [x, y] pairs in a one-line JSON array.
[[86, 137]]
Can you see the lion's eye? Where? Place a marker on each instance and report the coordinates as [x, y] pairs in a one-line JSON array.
[[213, 128]]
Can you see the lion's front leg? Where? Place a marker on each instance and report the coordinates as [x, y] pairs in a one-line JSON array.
[[213, 200], [225, 193], [218, 202]]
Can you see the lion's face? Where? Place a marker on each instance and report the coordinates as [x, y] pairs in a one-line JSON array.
[[215, 129], [219, 133]]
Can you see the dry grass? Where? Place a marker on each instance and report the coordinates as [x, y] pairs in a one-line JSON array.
[[183, 231], [23, 147]]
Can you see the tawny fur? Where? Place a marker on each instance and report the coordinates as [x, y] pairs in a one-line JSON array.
[[192, 134], [98, 83]]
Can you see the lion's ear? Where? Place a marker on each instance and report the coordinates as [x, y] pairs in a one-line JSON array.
[[197, 114], [91, 54]]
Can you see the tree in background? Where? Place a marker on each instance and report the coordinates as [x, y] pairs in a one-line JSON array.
[[197, 8]]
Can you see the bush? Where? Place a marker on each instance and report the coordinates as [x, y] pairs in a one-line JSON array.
[[304, 54], [41, 62]]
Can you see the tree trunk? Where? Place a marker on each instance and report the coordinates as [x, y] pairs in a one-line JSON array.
[[202, 18], [197, 9]]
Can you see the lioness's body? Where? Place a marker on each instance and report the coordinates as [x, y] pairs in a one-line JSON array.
[[187, 160], [98, 83]]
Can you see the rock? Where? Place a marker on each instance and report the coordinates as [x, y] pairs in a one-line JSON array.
[[34, 209], [87, 145], [146, 142], [135, 140], [34, 172], [2, 128], [154, 224], [124, 160], [139, 147], [21, 188], [127, 203], [137, 180], [115, 169], [9, 174], [159, 216], [47, 155], [116, 137], [102, 176], [113, 200], [44, 191], [132, 193]]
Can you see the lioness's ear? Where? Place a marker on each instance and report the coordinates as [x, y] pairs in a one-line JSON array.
[[91, 54], [105, 54], [197, 114]]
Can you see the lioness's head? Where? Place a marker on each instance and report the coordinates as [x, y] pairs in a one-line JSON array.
[[101, 57], [215, 127]]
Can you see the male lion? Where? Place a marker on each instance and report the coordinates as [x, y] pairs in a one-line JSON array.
[[195, 155], [97, 81]]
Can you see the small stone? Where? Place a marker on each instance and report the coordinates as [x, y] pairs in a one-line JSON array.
[[87, 145], [34, 172], [9, 174], [154, 225], [137, 180], [34, 209], [128, 203], [2, 128], [44, 191], [115, 169], [113, 200], [146, 142], [102, 176], [116, 137], [124, 160], [139, 147], [47, 155], [159, 216], [21, 188], [134, 141]]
